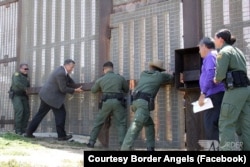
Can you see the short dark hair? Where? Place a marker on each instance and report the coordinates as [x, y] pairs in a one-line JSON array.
[[68, 61], [208, 42], [108, 64], [225, 34]]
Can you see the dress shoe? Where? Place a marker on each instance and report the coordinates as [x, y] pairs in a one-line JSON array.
[[150, 149], [67, 137], [28, 135]]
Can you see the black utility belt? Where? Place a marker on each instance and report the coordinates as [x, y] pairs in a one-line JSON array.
[[236, 79], [118, 96], [141, 95], [144, 96], [20, 93]]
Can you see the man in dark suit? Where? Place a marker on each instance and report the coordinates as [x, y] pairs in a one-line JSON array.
[[52, 96]]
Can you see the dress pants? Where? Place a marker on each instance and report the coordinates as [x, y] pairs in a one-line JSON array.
[[59, 114], [211, 117]]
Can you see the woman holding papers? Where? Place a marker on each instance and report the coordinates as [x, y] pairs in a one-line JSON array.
[[209, 89]]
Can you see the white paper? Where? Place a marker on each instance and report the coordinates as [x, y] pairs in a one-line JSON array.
[[207, 105]]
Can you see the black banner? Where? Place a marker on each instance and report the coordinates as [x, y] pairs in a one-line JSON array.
[[163, 158]]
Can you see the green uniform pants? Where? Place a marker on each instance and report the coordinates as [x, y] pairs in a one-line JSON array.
[[141, 119], [22, 113], [114, 107], [235, 119]]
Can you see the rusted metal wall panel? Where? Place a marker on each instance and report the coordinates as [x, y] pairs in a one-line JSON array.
[[192, 28], [8, 53], [8, 30], [139, 36], [234, 15], [56, 30], [51, 31]]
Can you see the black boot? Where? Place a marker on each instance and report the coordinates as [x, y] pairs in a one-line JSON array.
[[150, 149], [28, 134], [91, 144]]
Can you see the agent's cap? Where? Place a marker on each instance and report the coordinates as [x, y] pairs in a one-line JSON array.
[[157, 64]]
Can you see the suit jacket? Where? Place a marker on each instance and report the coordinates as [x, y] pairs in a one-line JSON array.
[[55, 89]]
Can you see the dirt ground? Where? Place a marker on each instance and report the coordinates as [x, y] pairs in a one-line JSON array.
[[43, 152]]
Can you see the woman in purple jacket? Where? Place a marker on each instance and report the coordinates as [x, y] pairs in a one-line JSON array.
[[209, 88]]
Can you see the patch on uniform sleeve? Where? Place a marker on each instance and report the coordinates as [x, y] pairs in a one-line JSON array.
[[16, 73], [219, 56]]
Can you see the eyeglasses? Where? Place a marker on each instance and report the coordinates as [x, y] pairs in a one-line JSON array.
[[26, 69]]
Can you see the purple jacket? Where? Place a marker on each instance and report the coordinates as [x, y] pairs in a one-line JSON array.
[[207, 85]]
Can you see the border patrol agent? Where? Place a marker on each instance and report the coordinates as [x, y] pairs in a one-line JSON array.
[[113, 86], [20, 100], [143, 102], [235, 109]]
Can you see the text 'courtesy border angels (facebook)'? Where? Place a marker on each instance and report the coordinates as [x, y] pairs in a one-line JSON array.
[[92, 158]]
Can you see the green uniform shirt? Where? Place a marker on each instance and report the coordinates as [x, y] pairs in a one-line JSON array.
[[20, 82], [110, 83], [229, 59], [150, 81]]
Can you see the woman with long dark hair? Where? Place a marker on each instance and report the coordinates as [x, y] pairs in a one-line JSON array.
[[235, 110]]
